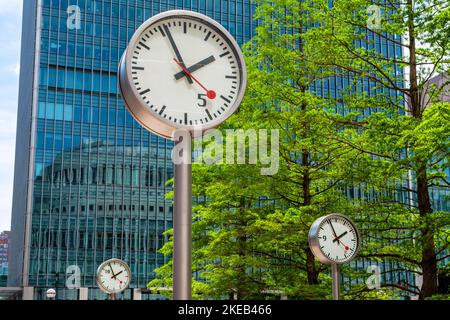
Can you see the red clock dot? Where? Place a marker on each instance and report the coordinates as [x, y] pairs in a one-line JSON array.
[[211, 94]]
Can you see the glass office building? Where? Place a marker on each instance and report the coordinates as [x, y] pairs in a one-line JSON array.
[[89, 181]]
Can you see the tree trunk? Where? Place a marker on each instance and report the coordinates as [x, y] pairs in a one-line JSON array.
[[429, 260], [241, 283], [311, 270]]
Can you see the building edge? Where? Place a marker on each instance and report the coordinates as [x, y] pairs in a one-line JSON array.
[[23, 166]]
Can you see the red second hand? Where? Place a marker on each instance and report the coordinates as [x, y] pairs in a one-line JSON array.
[[211, 94], [345, 247]]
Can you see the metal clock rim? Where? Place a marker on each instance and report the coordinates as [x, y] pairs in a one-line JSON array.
[[104, 263], [132, 98], [313, 240]]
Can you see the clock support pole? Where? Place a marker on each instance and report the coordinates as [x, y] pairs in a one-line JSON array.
[[335, 281], [182, 219]]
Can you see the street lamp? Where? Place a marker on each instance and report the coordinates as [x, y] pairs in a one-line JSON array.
[[51, 294]]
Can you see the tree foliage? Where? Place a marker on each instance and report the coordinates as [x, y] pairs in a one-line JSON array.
[[355, 138]]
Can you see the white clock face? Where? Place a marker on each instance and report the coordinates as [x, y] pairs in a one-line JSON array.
[[113, 276], [337, 239], [185, 70]]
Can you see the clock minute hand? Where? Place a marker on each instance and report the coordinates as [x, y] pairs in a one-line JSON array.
[[113, 275], [332, 228], [195, 67], [211, 94], [177, 52]]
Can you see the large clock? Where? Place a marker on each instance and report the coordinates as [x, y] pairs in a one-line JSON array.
[[182, 70], [334, 239]]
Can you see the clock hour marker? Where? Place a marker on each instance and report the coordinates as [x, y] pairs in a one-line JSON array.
[[207, 36], [144, 45], [184, 27], [224, 54], [144, 92], [225, 99], [230, 77], [161, 30], [209, 114], [185, 118], [162, 110], [137, 68]]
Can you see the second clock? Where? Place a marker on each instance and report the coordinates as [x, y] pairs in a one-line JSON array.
[[334, 239]]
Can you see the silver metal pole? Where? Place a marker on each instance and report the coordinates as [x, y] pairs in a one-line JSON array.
[[182, 220], [335, 281]]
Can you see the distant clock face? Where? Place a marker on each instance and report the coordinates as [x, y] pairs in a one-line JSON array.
[[182, 70], [113, 276], [334, 239]]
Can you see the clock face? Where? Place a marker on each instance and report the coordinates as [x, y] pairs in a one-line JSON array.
[[113, 276], [334, 239], [182, 70]]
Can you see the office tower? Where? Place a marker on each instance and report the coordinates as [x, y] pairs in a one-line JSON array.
[[89, 181]]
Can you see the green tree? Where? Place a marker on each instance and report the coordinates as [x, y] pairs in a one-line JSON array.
[[408, 135], [370, 136], [235, 231]]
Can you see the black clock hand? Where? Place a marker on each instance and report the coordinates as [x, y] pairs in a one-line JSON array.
[[332, 228], [195, 67], [175, 49], [337, 238], [113, 275]]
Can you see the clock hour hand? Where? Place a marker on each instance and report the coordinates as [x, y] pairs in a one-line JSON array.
[[115, 276], [177, 52], [337, 238], [195, 67], [211, 94]]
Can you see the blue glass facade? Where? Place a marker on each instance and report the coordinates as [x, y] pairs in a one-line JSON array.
[[97, 179]]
